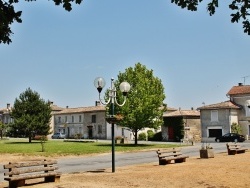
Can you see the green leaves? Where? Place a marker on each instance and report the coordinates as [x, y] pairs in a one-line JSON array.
[[188, 4], [145, 98], [240, 6], [31, 115]]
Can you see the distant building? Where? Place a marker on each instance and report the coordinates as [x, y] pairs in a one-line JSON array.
[[216, 119], [191, 120]]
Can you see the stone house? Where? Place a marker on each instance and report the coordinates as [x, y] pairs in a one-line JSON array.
[[191, 121], [216, 119], [82, 122]]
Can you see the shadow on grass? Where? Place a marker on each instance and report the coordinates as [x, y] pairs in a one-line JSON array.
[[127, 145], [23, 142]]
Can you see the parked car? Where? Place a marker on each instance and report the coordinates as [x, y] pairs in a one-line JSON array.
[[58, 136], [230, 137]]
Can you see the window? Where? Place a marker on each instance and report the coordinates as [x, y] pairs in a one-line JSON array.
[[72, 118], [59, 119], [66, 119], [80, 118], [93, 119], [214, 115], [123, 132], [99, 129]]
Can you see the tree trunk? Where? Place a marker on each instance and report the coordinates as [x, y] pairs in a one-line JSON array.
[[136, 137], [29, 139]]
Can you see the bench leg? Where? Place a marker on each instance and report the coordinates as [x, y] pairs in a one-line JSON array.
[[17, 183], [231, 152], [52, 179], [164, 162]]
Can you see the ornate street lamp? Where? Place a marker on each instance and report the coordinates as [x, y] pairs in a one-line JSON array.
[[124, 87]]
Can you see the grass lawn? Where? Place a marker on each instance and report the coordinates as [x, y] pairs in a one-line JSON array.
[[58, 147]]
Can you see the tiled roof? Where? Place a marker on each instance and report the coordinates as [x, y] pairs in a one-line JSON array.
[[183, 113], [56, 108], [239, 90], [171, 109], [222, 105], [81, 110]]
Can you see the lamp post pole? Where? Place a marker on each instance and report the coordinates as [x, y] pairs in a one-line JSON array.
[[124, 87]]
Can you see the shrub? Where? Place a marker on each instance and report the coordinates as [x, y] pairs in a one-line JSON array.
[[142, 136], [150, 135]]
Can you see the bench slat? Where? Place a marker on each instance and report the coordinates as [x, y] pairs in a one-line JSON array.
[[27, 164], [29, 170], [32, 176], [168, 150], [169, 154]]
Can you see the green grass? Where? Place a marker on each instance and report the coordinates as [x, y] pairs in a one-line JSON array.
[[58, 147]]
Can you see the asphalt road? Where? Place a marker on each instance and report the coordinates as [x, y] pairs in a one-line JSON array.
[[104, 161]]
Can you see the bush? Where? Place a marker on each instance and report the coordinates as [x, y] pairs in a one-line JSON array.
[[142, 136], [150, 135]]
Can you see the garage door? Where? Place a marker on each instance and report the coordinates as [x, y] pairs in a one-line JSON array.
[[214, 132]]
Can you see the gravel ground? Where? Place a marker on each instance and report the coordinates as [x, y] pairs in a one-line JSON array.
[[223, 171]]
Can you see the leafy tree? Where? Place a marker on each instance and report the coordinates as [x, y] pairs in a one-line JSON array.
[[31, 115], [144, 101], [240, 10], [8, 15], [236, 128]]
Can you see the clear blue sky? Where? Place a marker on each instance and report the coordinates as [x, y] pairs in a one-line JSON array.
[[59, 54]]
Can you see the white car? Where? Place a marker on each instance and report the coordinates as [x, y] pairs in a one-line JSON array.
[[58, 136]]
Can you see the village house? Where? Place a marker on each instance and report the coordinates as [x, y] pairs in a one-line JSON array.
[[87, 123], [216, 119], [191, 125]]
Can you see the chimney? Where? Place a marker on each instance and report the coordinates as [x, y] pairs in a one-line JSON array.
[[67, 106], [8, 105], [240, 84], [97, 103], [192, 108]]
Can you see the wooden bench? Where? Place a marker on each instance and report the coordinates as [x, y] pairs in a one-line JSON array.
[[234, 148], [19, 172], [166, 156]]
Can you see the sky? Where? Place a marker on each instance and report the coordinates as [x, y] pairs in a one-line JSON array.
[[59, 54]]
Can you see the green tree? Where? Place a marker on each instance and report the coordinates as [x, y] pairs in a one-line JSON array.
[[31, 115], [240, 10], [236, 128], [144, 101]]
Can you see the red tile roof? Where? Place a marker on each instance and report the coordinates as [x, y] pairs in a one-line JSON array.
[[239, 90], [222, 105]]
